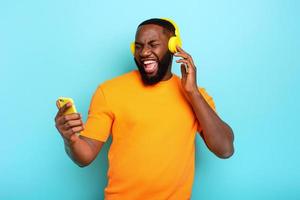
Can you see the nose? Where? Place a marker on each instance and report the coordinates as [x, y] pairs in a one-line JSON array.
[[146, 51]]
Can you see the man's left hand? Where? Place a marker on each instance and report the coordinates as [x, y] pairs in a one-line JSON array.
[[188, 71]]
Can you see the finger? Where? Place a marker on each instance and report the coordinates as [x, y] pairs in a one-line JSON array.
[[183, 55], [185, 61], [185, 66], [63, 109], [71, 131], [183, 71], [57, 104], [180, 49], [192, 61], [72, 123], [64, 118], [190, 67]]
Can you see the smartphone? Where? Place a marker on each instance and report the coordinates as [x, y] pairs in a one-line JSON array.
[[61, 101]]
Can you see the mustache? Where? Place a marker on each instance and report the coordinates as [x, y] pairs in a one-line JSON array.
[[163, 66]]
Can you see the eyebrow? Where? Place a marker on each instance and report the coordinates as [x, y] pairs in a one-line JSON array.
[[151, 41]]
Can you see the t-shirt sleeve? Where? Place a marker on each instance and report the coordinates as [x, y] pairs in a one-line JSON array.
[[209, 101], [100, 118]]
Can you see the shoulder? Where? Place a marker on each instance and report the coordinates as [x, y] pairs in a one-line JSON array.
[[123, 80], [117, 87]]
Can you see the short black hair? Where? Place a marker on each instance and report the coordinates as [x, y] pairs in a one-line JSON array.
[[160, 22]]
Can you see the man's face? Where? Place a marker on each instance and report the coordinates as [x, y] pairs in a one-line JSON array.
[[152, 56]]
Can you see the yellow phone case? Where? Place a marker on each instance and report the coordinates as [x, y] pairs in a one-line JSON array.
[[63, 100]]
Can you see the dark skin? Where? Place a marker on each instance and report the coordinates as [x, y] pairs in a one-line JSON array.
[[152, 42], [218, 135], [80, 149]]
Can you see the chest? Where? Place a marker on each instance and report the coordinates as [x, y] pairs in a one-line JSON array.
[[155, 109]]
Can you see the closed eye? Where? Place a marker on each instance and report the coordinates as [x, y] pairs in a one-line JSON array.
[[137, 46], [154, 45]]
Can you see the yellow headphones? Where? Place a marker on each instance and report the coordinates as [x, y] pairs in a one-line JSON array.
[[173, 41]]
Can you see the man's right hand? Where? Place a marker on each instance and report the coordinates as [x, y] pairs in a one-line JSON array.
[[68, 125], [82, 150]]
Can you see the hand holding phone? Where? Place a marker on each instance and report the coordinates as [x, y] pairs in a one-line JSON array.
[[68, 120]]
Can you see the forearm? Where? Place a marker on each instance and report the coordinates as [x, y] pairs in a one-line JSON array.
[[79, 151], [217, 135]]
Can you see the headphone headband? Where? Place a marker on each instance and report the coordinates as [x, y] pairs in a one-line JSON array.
[[173, 42], [174, 24]]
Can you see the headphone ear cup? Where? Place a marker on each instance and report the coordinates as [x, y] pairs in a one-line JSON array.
[[173, 42], [132, 48]]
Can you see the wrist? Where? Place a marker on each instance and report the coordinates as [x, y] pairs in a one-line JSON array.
[[70, 141], [193, 92], [66, 142]]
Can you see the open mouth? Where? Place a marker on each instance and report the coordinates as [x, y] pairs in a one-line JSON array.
[[150, 66]]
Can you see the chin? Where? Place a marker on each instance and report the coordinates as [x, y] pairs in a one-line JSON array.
[[152, 75]]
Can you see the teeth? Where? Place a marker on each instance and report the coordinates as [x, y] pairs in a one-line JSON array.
[[148, 62]]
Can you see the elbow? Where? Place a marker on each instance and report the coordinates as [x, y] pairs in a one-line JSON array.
[[226, 153], [82, 164]]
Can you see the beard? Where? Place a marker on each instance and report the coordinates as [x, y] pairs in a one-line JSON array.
[[163, 66]]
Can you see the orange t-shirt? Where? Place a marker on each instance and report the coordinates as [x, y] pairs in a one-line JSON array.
[[153, 137]]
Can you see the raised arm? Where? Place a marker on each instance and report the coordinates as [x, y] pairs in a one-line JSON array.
[[217, 135]]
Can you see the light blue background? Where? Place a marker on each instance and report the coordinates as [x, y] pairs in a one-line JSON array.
[[247, 54]]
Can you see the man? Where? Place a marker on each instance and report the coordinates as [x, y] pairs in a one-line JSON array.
[[153, 116]]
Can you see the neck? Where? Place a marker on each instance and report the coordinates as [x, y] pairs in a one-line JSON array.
[[169, 74]]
